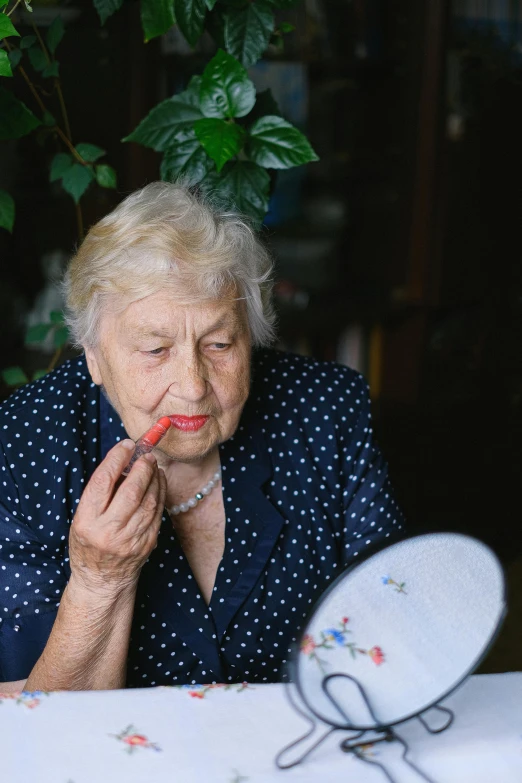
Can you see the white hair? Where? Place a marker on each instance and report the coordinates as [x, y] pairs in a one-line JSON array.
[[167, 236]]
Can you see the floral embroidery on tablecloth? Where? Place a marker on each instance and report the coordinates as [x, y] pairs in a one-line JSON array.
[[133, 740], [337, 637], [399, 586], [30, 699], [200, 691]]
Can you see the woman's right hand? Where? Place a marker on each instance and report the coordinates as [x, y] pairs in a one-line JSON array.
[[116, 525]]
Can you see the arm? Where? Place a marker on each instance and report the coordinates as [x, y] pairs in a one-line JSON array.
[[87, 648], [12, 687], [113, 533]]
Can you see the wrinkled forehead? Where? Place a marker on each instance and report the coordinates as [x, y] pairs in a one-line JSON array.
[[167, 312]]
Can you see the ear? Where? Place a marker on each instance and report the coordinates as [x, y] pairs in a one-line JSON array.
[[93, 365]]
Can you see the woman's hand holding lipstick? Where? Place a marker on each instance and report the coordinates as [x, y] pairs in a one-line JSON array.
[[116, 525]]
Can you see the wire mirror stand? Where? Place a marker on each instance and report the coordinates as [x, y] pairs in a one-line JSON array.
[[359, 742]]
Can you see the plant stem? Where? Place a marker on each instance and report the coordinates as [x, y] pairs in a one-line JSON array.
[[13, 9], [43, 108], [57, 83], [64, 111], [40, 41], [69, 144], [67, 136], [27, 80]]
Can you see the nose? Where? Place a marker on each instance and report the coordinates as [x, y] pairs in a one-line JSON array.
[[189, 380]]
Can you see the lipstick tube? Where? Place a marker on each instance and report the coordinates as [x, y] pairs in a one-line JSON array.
[[149, 441]]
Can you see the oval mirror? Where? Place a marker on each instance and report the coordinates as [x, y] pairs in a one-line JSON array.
[[408, 625]]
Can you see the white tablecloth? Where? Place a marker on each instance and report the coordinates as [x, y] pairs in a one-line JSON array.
[[232, 735]]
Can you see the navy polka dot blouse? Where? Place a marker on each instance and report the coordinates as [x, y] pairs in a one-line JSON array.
[[305, 490]]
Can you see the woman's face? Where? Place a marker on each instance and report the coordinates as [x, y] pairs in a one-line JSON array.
[[161, 358]]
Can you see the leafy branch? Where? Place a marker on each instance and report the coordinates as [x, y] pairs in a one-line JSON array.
[[218, 133], [57, 329], [210, 136], [74, 168]]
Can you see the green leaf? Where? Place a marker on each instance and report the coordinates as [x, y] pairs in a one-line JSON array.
[[7, 211], [28, 7], [48, 119], [89, 152], [37, 333], [107, 8], [14, 376], [286, 27], [53, 69], [190, 16], [15, 55], [105, 176], [160, 127], [37, 59], [55, 34], [221, 139], [56, 317], [7, 28], [5, 65], [76, 180], [226, 90], [61, 336], [16, 120], [27, 41], [248, 31], [241, 185], [37, 374], [276, 144], [3, 3], [210, 4], [157, 16], [186, 159], [61, 163]]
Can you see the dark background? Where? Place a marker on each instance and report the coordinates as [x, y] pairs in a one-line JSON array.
[[399, 250]]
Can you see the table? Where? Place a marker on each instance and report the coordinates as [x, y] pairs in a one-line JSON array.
[[231, 734]]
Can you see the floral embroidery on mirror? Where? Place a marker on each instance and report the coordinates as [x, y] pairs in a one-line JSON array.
[[337, 637]]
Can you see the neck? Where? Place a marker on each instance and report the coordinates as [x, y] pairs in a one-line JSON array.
[[184, 479]]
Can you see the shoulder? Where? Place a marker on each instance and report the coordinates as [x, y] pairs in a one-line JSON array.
[[48, 438], [278, 376], [56, 396]]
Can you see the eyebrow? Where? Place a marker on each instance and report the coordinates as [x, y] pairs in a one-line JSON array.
[[228, 320]]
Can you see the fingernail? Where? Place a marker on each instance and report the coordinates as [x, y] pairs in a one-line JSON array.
[[128, 443], [150, 458]]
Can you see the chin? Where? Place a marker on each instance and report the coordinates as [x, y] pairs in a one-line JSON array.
[[189, 452]]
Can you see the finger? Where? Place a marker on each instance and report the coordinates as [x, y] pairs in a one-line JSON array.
[[162, 495], [151, 529], [148, 508], [130, 494], [163, 488], [100, 489]]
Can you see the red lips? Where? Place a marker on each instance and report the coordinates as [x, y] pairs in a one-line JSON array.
[[188, 423]]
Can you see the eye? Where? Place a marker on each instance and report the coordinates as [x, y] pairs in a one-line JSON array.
[[221, 346], [156, 352]]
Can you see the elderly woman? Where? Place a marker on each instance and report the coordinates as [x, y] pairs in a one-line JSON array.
[[202, 564]]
